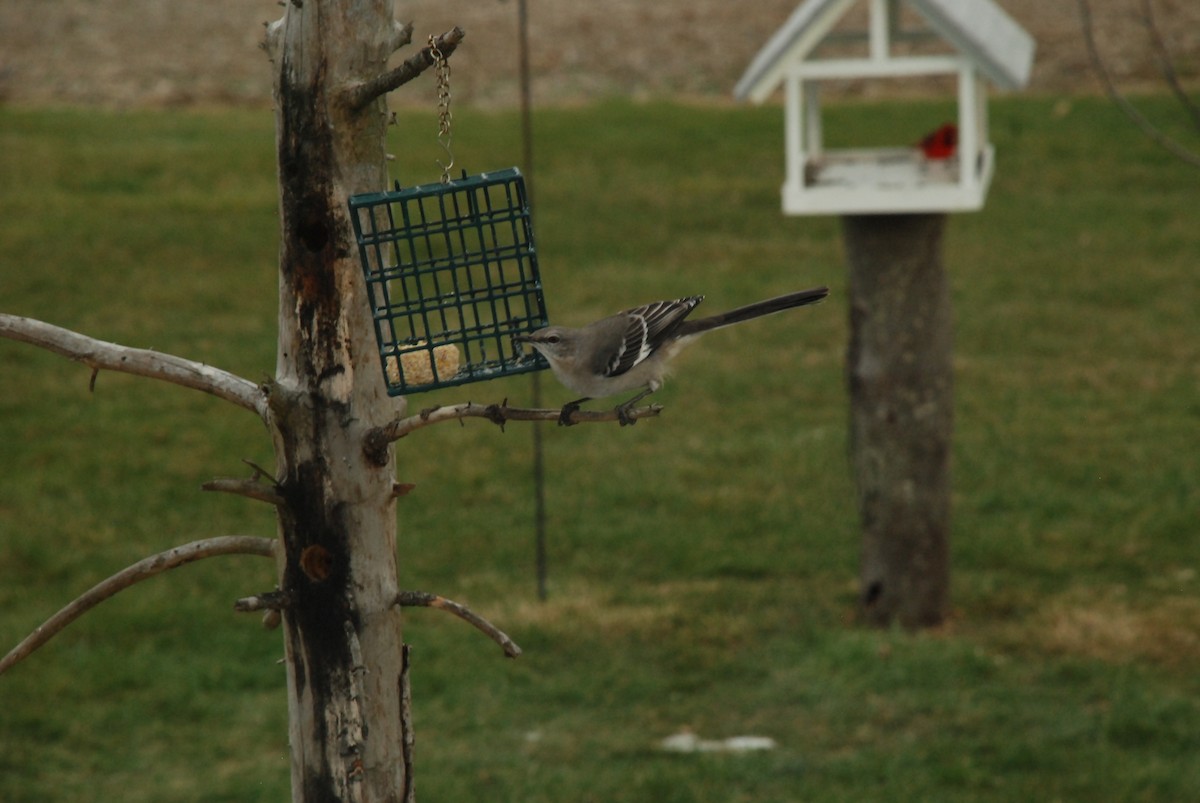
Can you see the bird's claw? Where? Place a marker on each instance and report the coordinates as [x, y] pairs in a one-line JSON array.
[[564, 416]]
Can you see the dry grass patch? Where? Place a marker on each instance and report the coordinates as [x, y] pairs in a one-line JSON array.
[[1117, 632], [602, 609]]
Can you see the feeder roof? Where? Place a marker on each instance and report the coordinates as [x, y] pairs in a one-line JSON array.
[[979, 29]]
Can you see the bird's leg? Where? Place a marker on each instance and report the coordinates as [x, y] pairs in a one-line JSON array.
[[568, 409], [624, 408]]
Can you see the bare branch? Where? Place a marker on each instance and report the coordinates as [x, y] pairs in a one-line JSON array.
[[421, 599], [1140, 120], [101, 355], [142, 570], [359, 95], [498, 414]]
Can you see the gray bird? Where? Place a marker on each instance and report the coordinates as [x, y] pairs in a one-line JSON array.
[[632, 349]]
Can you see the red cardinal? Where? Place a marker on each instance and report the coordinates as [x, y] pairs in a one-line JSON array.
[[940, 144]]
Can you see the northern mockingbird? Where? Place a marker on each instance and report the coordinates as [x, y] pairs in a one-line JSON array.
[[631, 350]]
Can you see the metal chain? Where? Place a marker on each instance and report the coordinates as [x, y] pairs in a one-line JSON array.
[[441, 69]]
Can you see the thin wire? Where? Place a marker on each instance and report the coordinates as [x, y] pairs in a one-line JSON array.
[[1166, 64], [1110, 87]]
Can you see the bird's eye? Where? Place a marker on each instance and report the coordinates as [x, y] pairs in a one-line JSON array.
[[553, 339]]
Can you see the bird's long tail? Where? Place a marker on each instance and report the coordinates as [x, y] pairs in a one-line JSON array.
[[755, 310]]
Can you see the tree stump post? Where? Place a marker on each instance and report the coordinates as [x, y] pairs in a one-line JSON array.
[[900, 377]]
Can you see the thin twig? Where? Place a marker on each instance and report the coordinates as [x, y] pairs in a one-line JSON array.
[[402, 33], [360, 94], [101, 355], [1140, 120], [266, 601], [142, 570], [250, 488], [500, 414], [421, 599]]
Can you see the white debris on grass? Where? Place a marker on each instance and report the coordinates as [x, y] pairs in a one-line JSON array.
[[687, 742]]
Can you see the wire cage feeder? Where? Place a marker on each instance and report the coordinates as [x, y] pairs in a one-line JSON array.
[[452, 278]]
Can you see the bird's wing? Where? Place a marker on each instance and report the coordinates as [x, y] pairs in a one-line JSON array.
[[645, 329]]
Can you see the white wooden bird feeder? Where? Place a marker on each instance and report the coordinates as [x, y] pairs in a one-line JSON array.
[[969, 40]]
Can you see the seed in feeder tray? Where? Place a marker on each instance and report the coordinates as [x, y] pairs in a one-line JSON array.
[[419, 370]]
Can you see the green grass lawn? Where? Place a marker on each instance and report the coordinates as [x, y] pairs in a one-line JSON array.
[[703, 564]]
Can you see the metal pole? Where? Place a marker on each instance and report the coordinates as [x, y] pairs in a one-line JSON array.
[[539, 465]]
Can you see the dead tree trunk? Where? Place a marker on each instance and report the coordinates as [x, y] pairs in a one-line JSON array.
[[337, 523], [900, 379]]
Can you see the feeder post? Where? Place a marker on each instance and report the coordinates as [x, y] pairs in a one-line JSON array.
[[900, 378], [893, 203]]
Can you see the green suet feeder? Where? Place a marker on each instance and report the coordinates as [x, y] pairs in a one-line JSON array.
[[452, 278]]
